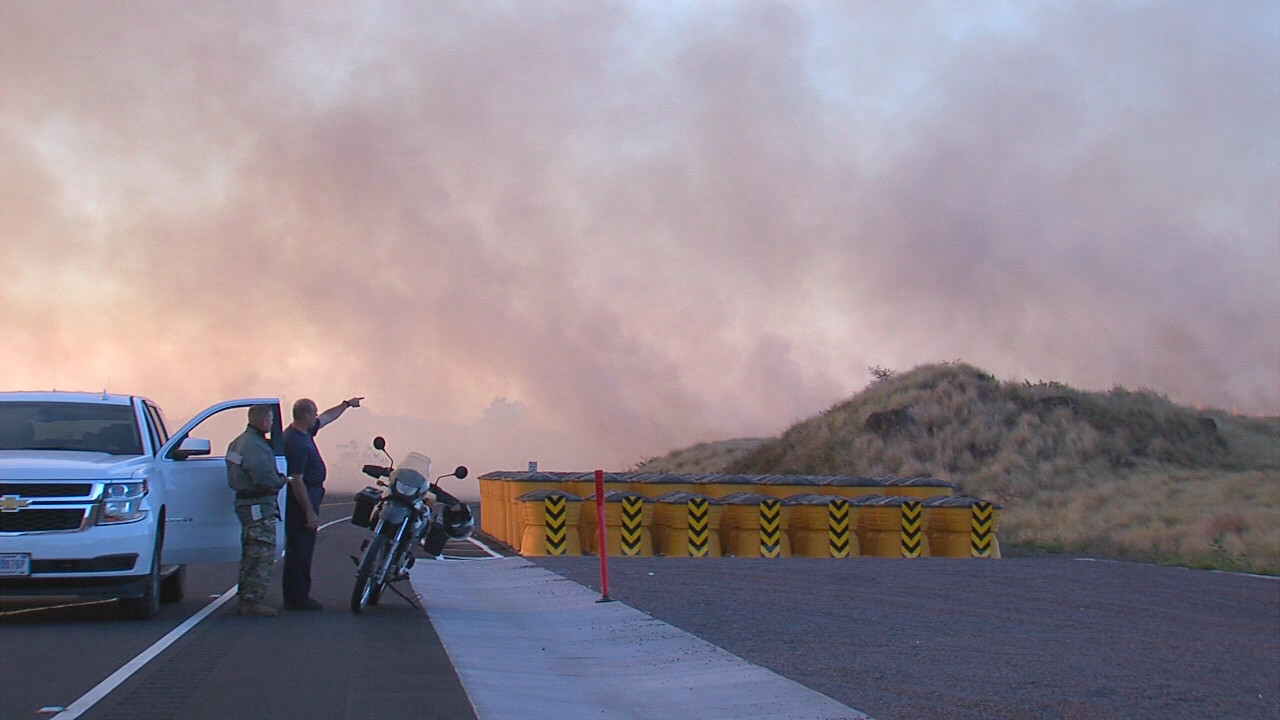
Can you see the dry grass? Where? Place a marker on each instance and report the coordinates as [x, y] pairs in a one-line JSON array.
[[1120, 473], [701, 458], [1195, 518]]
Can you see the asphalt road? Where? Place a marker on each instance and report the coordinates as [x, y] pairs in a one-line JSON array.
[[1020, 638], [1031, 638], [386, 662]]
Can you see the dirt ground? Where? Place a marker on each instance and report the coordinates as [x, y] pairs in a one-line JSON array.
[[1020, 638]]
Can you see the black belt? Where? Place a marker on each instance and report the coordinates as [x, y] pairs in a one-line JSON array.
[[254, 494]]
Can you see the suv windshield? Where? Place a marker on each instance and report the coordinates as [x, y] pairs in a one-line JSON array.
[[83, 427]]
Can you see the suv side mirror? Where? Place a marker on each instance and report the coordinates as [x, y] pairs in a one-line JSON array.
[[191, 446]]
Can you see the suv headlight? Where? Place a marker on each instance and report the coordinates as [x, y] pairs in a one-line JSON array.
[[122, 503]]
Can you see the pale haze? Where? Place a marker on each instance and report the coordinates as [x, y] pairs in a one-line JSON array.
[[586, 233]]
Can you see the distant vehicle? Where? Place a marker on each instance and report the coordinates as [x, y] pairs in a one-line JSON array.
[[98, 499]]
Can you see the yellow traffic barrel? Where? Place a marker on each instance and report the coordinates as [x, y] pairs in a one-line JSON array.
[[918, 487], [963, 526], [823, 526], [755, 525], [549, 523], [892, 526], [784, 486], [687, 524], [628, 523], [521, 484]]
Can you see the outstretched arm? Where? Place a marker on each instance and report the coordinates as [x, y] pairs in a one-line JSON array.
[[336, 411]]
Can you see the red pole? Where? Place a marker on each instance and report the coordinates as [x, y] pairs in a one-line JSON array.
[[604, 546]]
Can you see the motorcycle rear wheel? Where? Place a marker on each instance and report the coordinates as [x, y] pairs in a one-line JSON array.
[[371, 577]]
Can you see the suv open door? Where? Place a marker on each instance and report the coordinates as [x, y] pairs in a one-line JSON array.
[[200, 519]]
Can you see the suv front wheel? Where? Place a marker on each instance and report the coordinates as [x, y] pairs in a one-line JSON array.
[[147, 606], [173, 586]]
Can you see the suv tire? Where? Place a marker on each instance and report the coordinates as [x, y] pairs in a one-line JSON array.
[[147, 606]]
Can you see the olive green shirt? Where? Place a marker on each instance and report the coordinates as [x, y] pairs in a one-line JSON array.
[[251, 464]]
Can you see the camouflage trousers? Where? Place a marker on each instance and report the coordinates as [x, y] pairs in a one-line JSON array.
[[257, 547]]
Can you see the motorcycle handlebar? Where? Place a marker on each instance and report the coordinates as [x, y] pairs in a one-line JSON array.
[[377, 471], [443, 496]]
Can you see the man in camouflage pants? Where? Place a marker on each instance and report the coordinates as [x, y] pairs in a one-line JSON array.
[[251, 472]]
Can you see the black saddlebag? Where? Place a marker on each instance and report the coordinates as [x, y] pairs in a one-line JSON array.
[[366, 500]]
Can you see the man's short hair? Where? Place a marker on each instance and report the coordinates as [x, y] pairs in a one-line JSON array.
[[304, 407], [261, 412]]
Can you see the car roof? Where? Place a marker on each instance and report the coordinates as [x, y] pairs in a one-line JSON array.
[[104, 398]]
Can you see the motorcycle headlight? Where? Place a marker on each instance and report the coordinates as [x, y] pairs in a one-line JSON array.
[[122, 503], [404, 489]]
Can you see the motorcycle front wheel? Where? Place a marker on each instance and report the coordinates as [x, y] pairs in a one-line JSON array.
[[370, 578]]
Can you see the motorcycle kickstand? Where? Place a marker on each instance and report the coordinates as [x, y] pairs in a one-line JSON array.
[[411, 600]]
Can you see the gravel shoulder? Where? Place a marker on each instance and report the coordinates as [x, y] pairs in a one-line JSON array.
[[1019, 638]]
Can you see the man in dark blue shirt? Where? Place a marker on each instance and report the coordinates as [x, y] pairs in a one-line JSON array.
[[306, 491]]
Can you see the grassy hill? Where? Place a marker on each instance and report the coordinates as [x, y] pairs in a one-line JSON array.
[[1120, 473]]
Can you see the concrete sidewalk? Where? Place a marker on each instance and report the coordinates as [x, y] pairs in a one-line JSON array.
[[527, 643]]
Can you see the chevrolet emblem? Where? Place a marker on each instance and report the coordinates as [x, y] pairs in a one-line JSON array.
[[12, 503]]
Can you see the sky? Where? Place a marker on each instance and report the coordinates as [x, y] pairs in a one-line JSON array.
[[590, 233]]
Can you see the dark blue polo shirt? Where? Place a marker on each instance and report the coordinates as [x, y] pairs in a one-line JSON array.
[[302, 455]]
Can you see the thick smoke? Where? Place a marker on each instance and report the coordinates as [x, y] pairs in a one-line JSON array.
[[642, 226]]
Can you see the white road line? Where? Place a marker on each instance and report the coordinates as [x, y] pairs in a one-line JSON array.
[[483, 547], [1252, 575], [334, 522], [1224, 572], [89, 699], [116, 678]]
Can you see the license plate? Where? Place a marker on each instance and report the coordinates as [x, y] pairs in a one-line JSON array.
[[15, 564]]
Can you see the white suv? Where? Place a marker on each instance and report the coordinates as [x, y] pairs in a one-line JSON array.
[[96, 498]]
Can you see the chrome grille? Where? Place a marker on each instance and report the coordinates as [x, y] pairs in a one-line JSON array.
[[38, 489], [42, 520]]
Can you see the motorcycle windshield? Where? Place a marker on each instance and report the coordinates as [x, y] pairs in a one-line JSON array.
[[418, 463]]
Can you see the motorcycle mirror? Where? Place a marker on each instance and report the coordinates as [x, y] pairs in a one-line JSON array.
[[380, 443], [461, 472]]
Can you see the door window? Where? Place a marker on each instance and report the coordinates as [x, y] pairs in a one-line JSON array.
[[221, 428]]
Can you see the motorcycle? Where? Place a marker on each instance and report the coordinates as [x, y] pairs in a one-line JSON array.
[[401, 517]]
